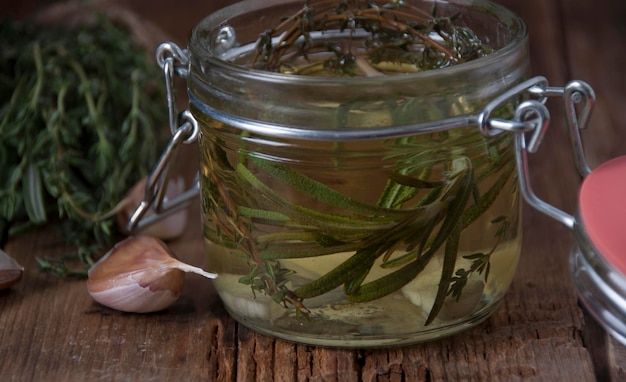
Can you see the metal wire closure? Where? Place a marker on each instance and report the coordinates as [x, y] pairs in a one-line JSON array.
[[531, 118], [575, 92], [171, 59], [541, 115]]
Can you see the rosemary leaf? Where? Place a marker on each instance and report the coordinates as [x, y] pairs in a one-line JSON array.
[[463, 185], [447, 270], [33, 201], [302, 250], [349, 270], [390, 283], [263, 215], [486, 200]]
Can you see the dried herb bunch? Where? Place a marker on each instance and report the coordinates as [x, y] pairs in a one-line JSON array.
[[399, 38], [433, 187], [79, 119]]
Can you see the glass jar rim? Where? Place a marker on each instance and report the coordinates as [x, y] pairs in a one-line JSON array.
[[515, 24]]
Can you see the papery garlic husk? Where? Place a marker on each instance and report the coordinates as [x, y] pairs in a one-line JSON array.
[[10, 271], [169, 227], [140, 275]]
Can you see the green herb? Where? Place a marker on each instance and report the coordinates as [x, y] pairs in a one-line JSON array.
[[79, 119]]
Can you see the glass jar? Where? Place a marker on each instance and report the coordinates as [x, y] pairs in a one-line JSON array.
[[356, 211]]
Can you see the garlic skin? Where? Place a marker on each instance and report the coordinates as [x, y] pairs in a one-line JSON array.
[[140, 275], [10, 271], [169, 227]]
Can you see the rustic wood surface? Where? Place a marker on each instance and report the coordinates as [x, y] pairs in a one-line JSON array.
[[50, 330]]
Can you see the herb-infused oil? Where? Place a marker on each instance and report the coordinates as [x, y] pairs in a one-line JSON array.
[[346, 199]]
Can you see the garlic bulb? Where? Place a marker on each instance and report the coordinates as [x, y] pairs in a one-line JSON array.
[[139, 274], [169, 227], [10, 271]]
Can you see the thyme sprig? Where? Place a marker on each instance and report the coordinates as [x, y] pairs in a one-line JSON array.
[[400, 37], [480, 261], [79, 119]]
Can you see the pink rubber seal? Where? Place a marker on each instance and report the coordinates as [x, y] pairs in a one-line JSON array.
[[602, 208]]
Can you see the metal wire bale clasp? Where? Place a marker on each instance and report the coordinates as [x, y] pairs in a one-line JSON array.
[[154, 195], [533, 116], [184, 128]]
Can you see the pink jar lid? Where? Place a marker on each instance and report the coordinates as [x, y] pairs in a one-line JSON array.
[[602, 208]]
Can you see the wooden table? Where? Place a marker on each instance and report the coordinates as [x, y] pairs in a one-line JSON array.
[[51, 330]]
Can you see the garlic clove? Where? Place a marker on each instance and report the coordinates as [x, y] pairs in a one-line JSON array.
[[169, 227], [139, 274], [10, 271], [134, 298]]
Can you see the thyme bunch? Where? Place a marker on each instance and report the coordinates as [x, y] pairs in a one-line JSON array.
[[78, 121]]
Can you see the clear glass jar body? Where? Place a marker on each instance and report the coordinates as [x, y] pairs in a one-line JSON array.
[[600, 286], [325, 230]]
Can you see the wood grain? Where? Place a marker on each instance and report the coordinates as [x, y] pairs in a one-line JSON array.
[[51, 330]]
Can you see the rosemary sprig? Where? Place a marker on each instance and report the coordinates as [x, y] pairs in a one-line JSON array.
[[79, 118]]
